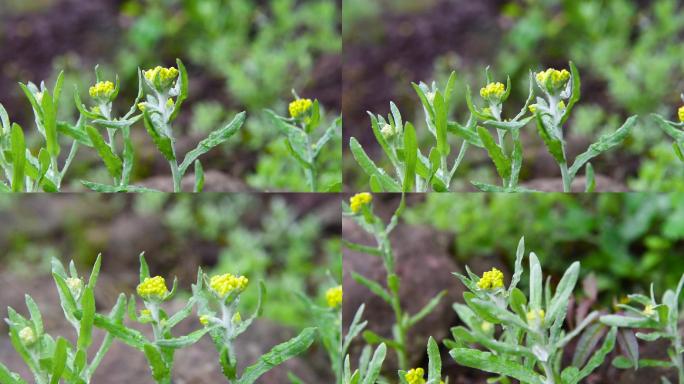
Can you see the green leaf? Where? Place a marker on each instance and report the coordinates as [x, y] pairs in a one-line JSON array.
[[144, 268], [410, 157], [575, 95], [488, 362], [554, 145], [427, 309], [85, 335], [507, 125], [598, 357], [112, 161], [535, 283], [434, 361], [375, 365], [36, 317], [160, 371], [34, 103], [501, 161], [388, 184], [75, 133], [162, 141], [58, 361], [128, 336], [373, 286], [183, 341], [591, 181], [104, 188], [278, 355], [671, 128], [441, 125], [424, 101], [559, 302], [50, 124], [604, 143], [214, 139], [199, 177], [471, 137], [329, 133], [6, 376], [18, 158], [374, 251], [183, 94]]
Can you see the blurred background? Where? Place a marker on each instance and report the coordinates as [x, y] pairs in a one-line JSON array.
[[291, 242], [240, 54], [624, 242], [628, 53]]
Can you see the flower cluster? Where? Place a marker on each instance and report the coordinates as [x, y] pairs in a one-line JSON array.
[[299, 107], [358, 201], [415, 376], [102, 90], [162, 78], [27, 336], [552, 79], [153, 288], [491, 279], [680, 113], [224, 284], [493, 92], [334, 296]]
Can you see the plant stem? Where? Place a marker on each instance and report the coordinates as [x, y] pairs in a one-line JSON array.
[[310, 172], [175, 173], [567, 182]]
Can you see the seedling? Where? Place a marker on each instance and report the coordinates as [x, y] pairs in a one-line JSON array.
[[675, 130], [300, 130], [662, 322], [360, 209], [529, 342], [51, 360]]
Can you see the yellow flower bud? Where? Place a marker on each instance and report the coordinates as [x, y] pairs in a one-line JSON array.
[[415, 376], [557, 79], [648, 310], [204, 320], [162, 78], [169, 103], [493, 92], [299, 107], [534, 316], [224, 284], [561, 105], [360, 200], [533, 108], [334, 296], [491, 279], [142, 106], [27, 336], [75, 285], [486, 326], [102, 90], [680, 114], [237, 318], [387, 131], [153, 288]]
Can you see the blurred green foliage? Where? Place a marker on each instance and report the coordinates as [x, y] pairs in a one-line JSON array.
[[627, 240]]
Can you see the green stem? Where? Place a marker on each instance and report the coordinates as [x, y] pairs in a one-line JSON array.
[[310, 172], [175, 173], [567, 181]]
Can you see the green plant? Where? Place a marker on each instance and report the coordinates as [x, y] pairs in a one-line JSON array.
[[49, 359], [368, 370], [661, 319], [360, 209], [159, 110], [416, 375], [305, 118], [532, 336]]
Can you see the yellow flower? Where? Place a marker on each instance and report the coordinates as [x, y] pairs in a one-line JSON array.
[[415, 376], [680, 113], [102, 90], [557, 79], [75, 285], [359, 200], [27, 336], [153, 288], [493, 91], [534, 316], [162, 78], [648, 310], [533, 108], [204, 320], [334, 296], [224, 284], [237, 319], [299, 107], [491, 279]]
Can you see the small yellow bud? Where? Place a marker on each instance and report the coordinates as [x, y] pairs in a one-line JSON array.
[[237, 319], [486, 326], [162, 78], [561, 105], [27, 336], [102, 90], [145, 312], [153, 288], [648, 310], [299, 107], [360, 200], [334, 296], [169, 103], [491, 279], [680, 114], [387, 131], [534, 316], [533, 108], [224, 284], [142, 106], [75, 285], [493, 92], [415, 376], [557, 79], [204, 320]]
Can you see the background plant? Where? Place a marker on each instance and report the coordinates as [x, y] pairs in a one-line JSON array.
[[360, 209], [661, 319], [532, 335]]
